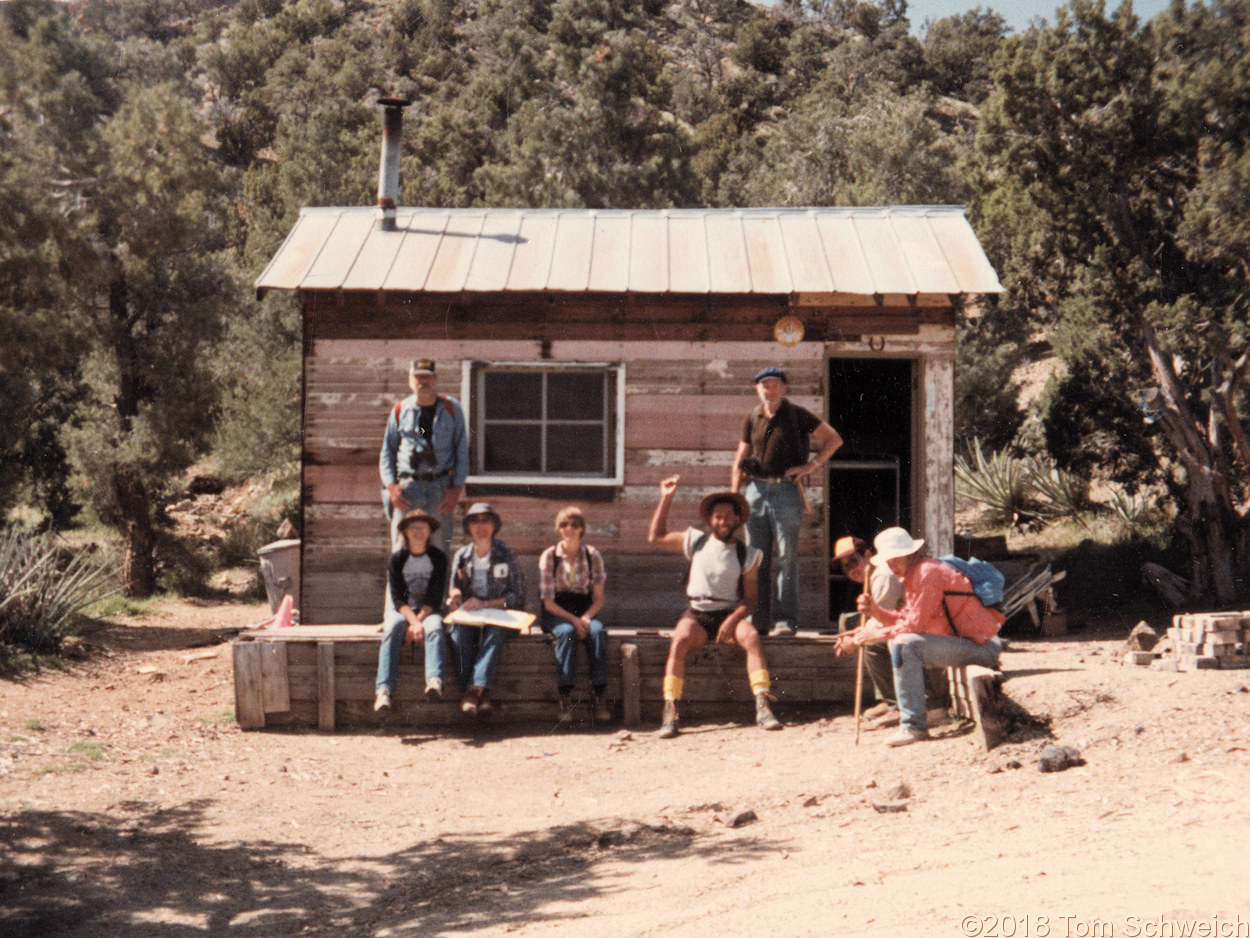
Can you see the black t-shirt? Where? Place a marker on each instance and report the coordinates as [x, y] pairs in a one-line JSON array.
[[425, 420], [782, 441]]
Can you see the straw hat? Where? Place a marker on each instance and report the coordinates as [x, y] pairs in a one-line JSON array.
[[418, 515], [738, 501]]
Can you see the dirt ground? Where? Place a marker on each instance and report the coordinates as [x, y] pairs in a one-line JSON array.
[[131, 804]]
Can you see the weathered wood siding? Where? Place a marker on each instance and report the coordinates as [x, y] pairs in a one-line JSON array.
[[686, 397]]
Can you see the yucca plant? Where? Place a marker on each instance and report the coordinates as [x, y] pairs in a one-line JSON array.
[[44, 589], [1064, 494], [1134, 512], [998, 481]]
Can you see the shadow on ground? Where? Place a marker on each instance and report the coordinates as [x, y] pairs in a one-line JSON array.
[[143, 871]]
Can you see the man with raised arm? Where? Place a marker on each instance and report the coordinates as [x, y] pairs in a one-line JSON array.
[[720, 589]]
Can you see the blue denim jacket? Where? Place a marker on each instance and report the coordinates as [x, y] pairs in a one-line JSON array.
[[506, 577], [402, 441]]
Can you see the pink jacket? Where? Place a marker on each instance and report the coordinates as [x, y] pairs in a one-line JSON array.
[[925, 586]]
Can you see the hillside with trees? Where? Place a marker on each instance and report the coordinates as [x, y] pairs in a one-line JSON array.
[[153, 153]]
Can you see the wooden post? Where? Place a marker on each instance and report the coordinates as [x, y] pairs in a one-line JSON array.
[[325, 686], [249, 707], [275, 686], [631, 685]]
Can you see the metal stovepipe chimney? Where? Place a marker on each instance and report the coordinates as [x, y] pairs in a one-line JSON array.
[[388, 171]]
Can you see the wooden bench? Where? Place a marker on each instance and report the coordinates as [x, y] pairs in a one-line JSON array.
[[977, 695], [323, 676]]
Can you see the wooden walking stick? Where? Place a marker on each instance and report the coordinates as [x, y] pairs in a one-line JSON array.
[[859, 689], [859, 661]]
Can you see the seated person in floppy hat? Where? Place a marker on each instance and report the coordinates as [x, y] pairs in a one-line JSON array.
[[720, 589], [940, 625], [417, 580], [484, 575], [857, 561]]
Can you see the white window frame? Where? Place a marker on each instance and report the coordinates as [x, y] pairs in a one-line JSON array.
[[472, 375]]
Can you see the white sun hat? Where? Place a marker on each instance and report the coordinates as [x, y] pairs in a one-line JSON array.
[[895, 542]]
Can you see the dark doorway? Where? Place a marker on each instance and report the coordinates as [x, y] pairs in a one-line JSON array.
[[869, 482]]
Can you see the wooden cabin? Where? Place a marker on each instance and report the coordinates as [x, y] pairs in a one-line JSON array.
[[596, 352]]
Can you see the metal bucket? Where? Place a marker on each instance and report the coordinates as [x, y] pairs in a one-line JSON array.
[[279, 565]]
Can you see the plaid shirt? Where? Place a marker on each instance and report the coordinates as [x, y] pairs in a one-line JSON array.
[[580, 579]]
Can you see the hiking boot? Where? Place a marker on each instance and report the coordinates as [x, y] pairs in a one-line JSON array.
[[434, 689], [602, 712], [669, 727], [906, 736], [764, 714], [382, 701], [876, 711], [471, 701], [884, 722], [566, 709]]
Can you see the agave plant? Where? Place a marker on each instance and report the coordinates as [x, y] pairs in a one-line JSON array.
[[43, 590], [998, 481]]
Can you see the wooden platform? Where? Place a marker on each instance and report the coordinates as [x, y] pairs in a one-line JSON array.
[[323, 676]]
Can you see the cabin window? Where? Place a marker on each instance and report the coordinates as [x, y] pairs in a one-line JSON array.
[[554, 423]]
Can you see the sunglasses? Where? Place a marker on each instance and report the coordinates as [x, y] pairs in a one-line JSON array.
[[569, 524]]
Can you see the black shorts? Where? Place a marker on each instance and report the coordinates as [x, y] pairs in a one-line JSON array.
[[710, 622]]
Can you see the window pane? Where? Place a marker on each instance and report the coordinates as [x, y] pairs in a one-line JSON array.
[[513, 395], [575, 449], [513, 448], [575, 396]]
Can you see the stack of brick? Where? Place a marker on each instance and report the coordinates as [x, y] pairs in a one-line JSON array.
[[1210, 640]]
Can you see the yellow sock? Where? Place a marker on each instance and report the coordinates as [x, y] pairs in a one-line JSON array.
[[673, 686], [760, 684]]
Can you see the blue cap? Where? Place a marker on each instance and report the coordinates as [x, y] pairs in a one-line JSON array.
[[772, 371]]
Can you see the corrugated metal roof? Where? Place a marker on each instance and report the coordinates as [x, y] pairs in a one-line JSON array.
[[895, 250]]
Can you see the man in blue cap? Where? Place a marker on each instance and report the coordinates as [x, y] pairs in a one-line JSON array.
[[773, 458]]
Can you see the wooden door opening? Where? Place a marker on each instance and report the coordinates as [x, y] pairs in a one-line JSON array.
[[869, 483]]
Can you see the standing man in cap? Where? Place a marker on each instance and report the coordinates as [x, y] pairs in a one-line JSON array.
[[720, 589], [425, 452], [773, 458]]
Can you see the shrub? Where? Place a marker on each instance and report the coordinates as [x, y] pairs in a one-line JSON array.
[[44, 589]]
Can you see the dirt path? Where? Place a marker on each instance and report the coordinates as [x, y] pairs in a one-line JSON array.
[[130, 804]]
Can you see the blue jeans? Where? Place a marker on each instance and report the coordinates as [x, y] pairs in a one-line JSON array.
[[427, 496], [776, 516], [595, 642], [910, 654], [477, 649], [393, 645]]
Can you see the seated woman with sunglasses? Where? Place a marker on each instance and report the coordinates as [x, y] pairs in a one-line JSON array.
[[571, 579]]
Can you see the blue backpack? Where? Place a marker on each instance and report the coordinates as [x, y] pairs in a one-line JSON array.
[[986, 579]]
